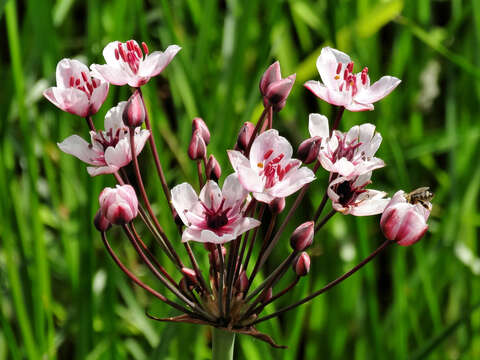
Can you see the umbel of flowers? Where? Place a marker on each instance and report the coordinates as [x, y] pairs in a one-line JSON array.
[[225, 213]]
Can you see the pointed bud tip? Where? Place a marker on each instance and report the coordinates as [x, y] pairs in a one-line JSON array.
[[197, 148], [302, 237], [301, 265], [199, 124], [134, 112]]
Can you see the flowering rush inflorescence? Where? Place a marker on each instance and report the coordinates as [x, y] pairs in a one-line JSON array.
[[227, 218]]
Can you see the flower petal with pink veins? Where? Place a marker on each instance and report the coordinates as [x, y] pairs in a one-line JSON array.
[[101, 170], [232, 190], [98, 97], [78, 147], [114, 75], [327, 64], [246, 175], [369, 207], [378, 90], [211, 195], [70, 100], [246, 224], [333, 97], [318, 125], [356, 106], [293, 181], [119, 155], [184, 198], [113, 117], [155, 62], [263, 197]]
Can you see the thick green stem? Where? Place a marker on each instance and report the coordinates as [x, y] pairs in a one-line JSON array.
[[222, 344]]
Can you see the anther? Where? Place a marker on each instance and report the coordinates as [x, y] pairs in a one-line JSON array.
[[72, 81], [145, 48], [117, 55], [267, 154], [339, 68], [84, 76]]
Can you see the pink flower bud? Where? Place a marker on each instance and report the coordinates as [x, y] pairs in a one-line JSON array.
[[404, 222], [101, 222], [197, 148], [242, 282], [302, 237], [199, 124], [119, 205], [134, 113], [309, 149], [213, 169], [244, 136], [277, 205], [274, 89], [301, 264], [267, 296], [190, 275]]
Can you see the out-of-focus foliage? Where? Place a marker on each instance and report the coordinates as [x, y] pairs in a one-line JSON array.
[[62, 297]]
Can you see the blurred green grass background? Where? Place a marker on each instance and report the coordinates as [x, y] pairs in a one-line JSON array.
[[62, 297]]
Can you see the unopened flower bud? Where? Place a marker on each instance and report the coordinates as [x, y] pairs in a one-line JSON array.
[[302, 237], [277, 205], [267, 296], [301, 264], [101, 222], [309, 149], [244, 136], [199, 124], [197, 148], [134, 113], [190, 275], [274, 89], [213, 170], [404, 222], [242, 282], [119, 205]]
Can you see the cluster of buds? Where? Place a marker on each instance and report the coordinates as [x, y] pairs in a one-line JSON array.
[[226, 219]]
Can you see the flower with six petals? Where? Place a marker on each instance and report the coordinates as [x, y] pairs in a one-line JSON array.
[[341, 87], [270, 172], [77, 92], [126, 63], [215, 216], [109, 149]]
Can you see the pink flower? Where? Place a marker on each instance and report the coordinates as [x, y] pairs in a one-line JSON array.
[[109, 149], [119, 205], [216, 216], [403, 222], [127, 64], [349, 196], [77, 92], [270, 172], [342, 87], [348, 154]]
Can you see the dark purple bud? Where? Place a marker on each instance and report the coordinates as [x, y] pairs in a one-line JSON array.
[[197, 148], [277, 205], [301, 264], [190, 275], [242, 282], [267, 295], [101, 222], [302, 237], [199, 124], [244, 136], [213, 169], [309, 149], [277, 93], [134, 112], [271, 75]]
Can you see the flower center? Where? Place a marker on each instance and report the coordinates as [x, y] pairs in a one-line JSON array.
[[272, 170], [131, 54], [216, 221], [84, 83], [108, 138], [348, 80], [345, 192]]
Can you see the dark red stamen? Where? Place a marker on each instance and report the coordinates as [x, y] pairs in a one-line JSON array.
[[145, 48], [77, 82], [72, 81], [339, 68], [267, 154], [117, 55], [350, 66]]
